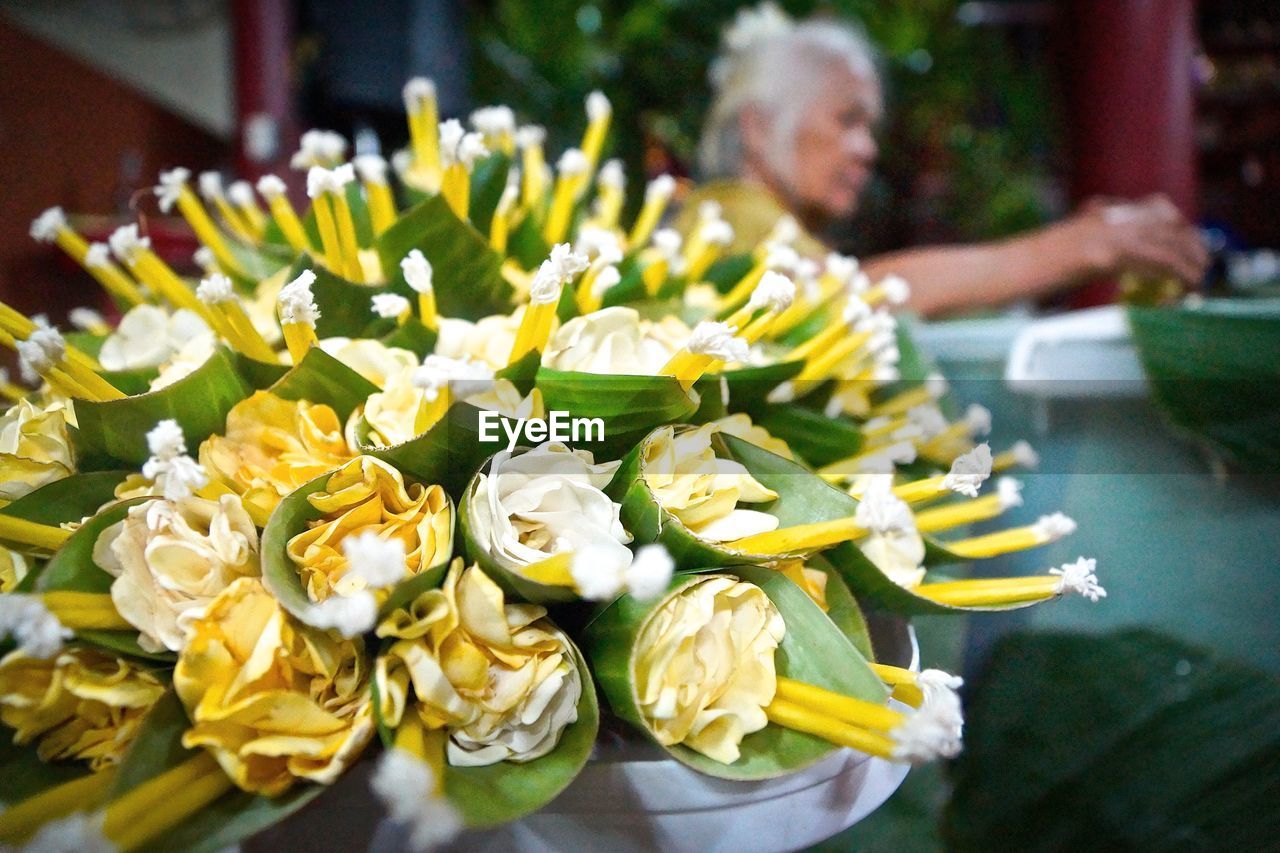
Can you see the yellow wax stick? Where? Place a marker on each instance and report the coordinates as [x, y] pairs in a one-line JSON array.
[[893, 675], [562, 198], [427, 312], [821, 365], [350, 247], [792, 716], [758, 328], [13, 393], [903, 402], [656, 197], [553, 571], [427, 745], [609, 201], [85, 611], [533, 175], [19, 821], [329, 238], [741, 291], [18, 325], [983, 593], [655, 274], [107, 273], [800, 537], [288, 222], [959, 513], [424, 123], [206, 231], [599, 111], [299, 338], [43, 536], [95, 386], [456, 189], [232, 219], [847, 709], [1000, 542], [382, 207], [500, 230], [162, 802], [828, 288], [253, 344], [148, 267], [1020, 455], [819, 342], [534, 330], [919, 491]]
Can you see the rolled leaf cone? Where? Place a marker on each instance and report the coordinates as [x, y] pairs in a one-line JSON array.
[[813, 650], [803, 498], [281, 576], [497, 793], [512, 582], [113, 433], [344, 305]]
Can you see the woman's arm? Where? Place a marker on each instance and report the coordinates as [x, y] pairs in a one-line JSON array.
[[1148, 237]]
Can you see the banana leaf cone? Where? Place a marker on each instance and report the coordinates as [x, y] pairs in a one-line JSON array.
[[282, 576], [494, 794], [113, 433], [1214, 374], [813, 650], [803, 498]]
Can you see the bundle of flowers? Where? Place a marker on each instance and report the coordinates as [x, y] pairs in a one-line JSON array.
[[407, 477]]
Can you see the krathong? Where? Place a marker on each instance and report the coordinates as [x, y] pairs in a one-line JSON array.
[[303, 511]]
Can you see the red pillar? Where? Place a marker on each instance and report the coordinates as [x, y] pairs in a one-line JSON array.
[[1130, 107], [264, 93]]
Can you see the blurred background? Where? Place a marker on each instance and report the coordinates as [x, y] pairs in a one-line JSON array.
[[1001, 116]]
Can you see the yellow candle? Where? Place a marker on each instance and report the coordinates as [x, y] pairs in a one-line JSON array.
[[794, 717], [85, 611], [19, 821]]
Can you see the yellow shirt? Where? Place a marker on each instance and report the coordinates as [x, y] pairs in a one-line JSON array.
[[751, 209]]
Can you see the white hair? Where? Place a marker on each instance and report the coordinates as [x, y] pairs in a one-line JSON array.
[[772, 63]]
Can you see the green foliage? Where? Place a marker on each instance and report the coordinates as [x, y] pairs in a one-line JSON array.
[[1160, 745]]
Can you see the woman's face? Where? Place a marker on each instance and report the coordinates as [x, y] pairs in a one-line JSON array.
[[834, 147]]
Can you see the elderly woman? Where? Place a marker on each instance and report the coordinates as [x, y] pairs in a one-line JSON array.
[[792, 128]]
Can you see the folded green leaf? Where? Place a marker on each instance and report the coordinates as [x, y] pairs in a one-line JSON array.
[[813, 651], [69, 499], [1213, 373], [630, 406], [321, 378], [448, 453], [467, 273], [817, 439], [114, 432], [346, 307], [488, 180]]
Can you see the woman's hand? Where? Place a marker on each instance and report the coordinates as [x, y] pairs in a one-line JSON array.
[[1148, 237]]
